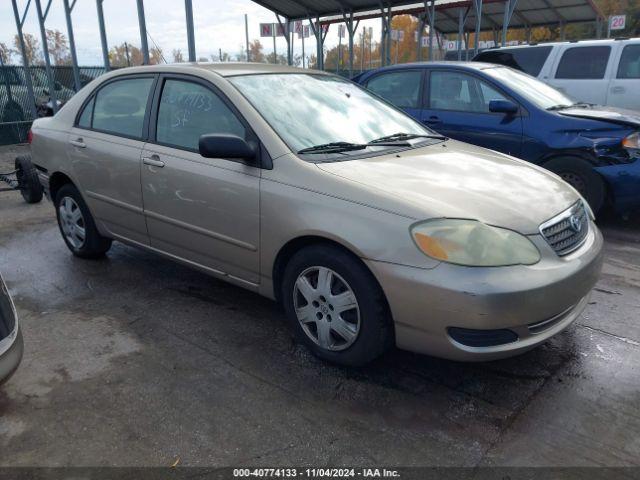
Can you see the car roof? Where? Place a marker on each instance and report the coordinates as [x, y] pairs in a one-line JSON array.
[[601, 41], [441, 63], [225, 69]]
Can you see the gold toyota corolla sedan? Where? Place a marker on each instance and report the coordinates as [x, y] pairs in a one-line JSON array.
[[369, 228]]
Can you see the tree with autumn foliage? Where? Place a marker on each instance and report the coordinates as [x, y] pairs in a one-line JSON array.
[[125, 55]]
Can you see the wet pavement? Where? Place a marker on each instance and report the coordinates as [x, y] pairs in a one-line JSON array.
[[135, 361]]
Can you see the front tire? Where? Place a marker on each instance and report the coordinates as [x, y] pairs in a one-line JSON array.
[[335, 306], [77, 226], [581, 176]]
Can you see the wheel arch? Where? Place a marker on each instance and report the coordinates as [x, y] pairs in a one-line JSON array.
[[592, 161], [289, 249], [56, 181]]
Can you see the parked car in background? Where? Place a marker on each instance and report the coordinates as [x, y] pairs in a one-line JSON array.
[[370, 228], [11, 345], [595, 149], [604, 72], [14, 97]]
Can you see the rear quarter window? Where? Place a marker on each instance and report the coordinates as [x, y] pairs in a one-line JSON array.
[[528, 60]]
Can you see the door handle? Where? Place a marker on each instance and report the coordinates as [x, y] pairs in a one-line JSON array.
[[432, 120], [78, 143], [153, 160], [617, 89]]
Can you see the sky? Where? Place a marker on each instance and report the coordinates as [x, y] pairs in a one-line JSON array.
[[219, 24]]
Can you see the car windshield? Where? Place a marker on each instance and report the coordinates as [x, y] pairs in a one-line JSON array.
[[324, 114], [537, 92]]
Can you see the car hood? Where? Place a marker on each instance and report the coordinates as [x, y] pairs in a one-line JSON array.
[[457, 180], [607, 114]]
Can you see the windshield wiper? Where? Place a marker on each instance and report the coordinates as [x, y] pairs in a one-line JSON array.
[[573, 105], [403, 136], [558, 107], [333, 147], [395, 140]]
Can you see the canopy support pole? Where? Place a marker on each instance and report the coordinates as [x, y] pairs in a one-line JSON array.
[[103, 36], [191, 37], [25, 60], [72, 45], [351, 30], [45, 51], [142, 24], [477, 5], [509, 8]]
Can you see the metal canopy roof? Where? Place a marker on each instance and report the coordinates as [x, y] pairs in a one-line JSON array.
[[528, 13], [324, 8]]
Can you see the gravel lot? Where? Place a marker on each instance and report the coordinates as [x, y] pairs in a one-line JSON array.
[[136, 361]]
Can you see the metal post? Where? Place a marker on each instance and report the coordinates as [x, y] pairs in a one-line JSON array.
[[72, 46], [432, 27], [351, 32], [275, 53], [370, 48], [103, 36], [421, 24], [143, 33], [478, 6], [126, 52], [303, 46], [191, 37], [338, 58], [246, 36], [362, 52], [505, 23], [466, 46], [460, 32], [528, 34], [47, 60], [562, 32], [397, 47], [25, 60]]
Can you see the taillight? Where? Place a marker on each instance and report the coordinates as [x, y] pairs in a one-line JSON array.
[[29, 136]]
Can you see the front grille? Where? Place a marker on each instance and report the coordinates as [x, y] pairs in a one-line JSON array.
[[567, 231]]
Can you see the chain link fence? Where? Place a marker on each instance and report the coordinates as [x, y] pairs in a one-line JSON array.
[[16, 112]]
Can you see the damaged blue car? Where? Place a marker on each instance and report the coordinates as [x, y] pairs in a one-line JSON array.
[[596, 149]]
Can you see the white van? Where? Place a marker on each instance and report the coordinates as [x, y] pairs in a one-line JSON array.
[[605, 72]]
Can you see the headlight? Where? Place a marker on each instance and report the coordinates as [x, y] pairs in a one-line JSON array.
[[472, 243], [632, 141]]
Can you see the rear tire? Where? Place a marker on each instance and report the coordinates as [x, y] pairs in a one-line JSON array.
[[77, 226], [344, 320], [28, 182], [581, 176]]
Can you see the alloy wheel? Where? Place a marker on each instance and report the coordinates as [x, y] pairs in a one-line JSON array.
[[72, 222], [326, 308]]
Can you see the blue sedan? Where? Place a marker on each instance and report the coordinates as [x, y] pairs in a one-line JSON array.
[[595, 149]]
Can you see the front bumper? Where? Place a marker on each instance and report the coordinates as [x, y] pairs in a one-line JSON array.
[[10, 358], [11, 345], [426, 303], [624, 183]]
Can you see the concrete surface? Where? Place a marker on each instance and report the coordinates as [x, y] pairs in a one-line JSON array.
[[136, 361]]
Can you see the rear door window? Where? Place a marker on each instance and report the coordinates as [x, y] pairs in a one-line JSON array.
[[528, 60], [629, 66], [581, 63], [120, 107], [400, 88]]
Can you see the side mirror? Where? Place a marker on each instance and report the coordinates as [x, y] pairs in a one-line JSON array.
[[503, 106], [227, 146]]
